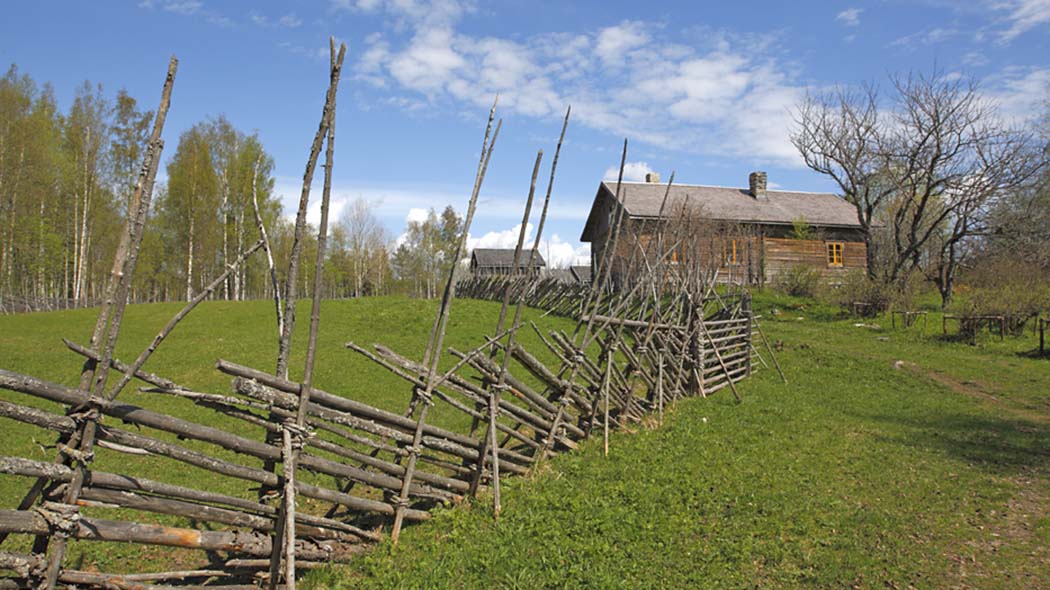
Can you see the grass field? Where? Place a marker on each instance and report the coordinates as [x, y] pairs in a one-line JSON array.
[[865, 472], [242, 332], [855, 475]]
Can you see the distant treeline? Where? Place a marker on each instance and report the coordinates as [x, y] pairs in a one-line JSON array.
[[66, 179]]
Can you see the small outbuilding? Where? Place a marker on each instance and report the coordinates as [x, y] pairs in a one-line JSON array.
[[500, 261], [581, 274]]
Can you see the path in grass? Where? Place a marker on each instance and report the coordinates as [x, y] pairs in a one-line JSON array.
[[934, 474]]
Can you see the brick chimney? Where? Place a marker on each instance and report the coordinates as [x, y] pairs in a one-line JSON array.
[[652, 177], [757, 183]]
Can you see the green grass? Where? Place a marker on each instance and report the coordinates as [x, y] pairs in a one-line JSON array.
[[242, 332], [931, 474], [855, 475]]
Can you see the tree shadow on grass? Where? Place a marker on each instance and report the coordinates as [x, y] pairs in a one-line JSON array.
[[1034, 354], [1001, 445]]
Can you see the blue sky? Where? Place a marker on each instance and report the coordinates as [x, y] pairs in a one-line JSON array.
[[703, 88]]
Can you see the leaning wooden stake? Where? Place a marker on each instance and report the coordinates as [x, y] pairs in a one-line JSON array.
[[501, 383], [174, 321], [610, 352], [437, 339], [274, 284], [769, 349], [718, 355], [110, 317], [291, 281], [294, 435]]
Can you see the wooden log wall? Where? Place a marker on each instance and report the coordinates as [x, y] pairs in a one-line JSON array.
[[782, 254]]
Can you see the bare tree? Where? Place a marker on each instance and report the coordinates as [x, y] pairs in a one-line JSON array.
[[925, 167], [365, 236], [840, 134]]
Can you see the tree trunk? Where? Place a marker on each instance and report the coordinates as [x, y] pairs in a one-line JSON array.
[[239, 276], [85, 213], [872, 255], [189, 265], [225, 233], [40, 289]]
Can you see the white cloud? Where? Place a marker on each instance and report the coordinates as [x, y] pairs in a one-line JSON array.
[[428, 63], [975, 59], [290, 20], [507, 238], [730, 97], [416, 215], [1019, 92], [186, 7], [614, 42], [335, 210], [414, 13], [559, 254], [632, 171], [1023, 16], [926, 37], [850, 17], [556, 252]]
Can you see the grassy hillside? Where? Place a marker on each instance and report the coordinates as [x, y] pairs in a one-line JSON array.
[[242, 332], [862, 473]]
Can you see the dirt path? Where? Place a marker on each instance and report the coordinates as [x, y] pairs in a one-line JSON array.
[[1017, 534], [983, 391]]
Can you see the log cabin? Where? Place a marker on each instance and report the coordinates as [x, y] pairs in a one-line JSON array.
[[751, 234]]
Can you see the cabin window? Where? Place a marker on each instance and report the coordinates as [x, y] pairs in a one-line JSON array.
[[731, 252], [835, 253]]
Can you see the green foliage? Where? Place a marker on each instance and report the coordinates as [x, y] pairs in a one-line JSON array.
[[68, 179], [876, 295], [802, 230], [423, 259], [801, 280], [1017, 303]]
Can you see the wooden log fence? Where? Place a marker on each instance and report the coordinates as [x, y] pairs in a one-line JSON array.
[[638, 347], [970, 325], [908, 318]]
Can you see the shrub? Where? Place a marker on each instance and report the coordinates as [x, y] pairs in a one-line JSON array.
[[800, 281], [874, 296], [802, 230], [1016, 302]]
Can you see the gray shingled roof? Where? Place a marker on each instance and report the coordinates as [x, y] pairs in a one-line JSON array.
[[563, 275], [643, 200], [582, 273], [504, 258]]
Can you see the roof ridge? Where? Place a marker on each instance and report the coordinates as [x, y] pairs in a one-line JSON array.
[[739, 188]]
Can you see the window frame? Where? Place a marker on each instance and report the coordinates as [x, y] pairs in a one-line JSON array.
[[834, 254], [730, 253]]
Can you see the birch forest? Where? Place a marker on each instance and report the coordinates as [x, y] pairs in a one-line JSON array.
[[66, 178]]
